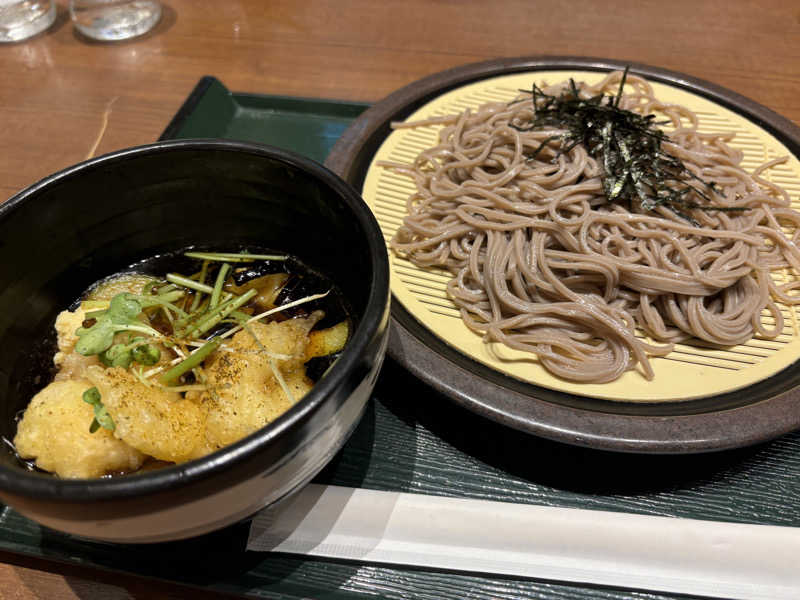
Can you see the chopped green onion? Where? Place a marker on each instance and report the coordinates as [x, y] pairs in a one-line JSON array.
[[233, 256], [223, 273], [165, 301], [166, 288], [202, 280], [214, 316], [190, 362], [179, 325], [189, 283]]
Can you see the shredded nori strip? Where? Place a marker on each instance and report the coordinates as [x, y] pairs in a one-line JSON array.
[[628, 146]]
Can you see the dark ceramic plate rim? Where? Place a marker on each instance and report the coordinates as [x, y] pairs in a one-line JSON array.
[[46, 486], [755, 414]]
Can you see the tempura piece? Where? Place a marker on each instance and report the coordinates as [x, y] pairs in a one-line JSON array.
[[327, 341], [244, 392], [55, 432], [127, 282], [71, 365], [151, 373], [159, 423]]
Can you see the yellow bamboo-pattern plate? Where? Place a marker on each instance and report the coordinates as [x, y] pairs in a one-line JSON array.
[[692, 370]]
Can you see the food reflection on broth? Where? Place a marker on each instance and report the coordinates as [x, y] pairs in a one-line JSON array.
[[162, 369]]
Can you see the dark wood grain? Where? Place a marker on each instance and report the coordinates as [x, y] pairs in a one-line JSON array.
[[62, 98], [57, 86], [27, 578]]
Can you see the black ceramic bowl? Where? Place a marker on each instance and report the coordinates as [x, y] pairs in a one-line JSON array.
[[94, 219]]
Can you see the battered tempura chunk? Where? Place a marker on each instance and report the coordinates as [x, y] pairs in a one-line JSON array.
[[71, 365], [157, 422], [150, 374], [245, 394], [55, 432], [127, 282]]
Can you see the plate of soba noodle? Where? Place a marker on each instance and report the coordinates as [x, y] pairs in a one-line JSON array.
[[597, 252]]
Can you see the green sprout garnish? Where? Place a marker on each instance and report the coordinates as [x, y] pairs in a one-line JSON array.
[[233, 256], [192, 308], [136, 350], [121, 315], [101, 416], [146, 354], [213, 317], [118, 355]]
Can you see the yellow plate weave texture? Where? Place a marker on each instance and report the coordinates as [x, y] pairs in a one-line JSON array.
[[691, 370]]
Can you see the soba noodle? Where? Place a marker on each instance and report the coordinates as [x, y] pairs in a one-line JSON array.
[[542, 262]]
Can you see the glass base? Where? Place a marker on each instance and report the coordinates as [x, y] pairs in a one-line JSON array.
[[110, 21], [21, 20]]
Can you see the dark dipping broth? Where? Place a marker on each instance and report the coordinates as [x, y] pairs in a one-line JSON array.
[[297, 283]]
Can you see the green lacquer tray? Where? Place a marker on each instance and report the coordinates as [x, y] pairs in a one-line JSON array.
[[414, 439]]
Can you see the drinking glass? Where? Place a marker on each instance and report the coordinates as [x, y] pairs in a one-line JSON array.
[[20, 19], [109, 20]]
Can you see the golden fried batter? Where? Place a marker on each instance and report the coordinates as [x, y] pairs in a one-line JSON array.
[[244, 393], [71, 365], [157, 422], [55, 432]]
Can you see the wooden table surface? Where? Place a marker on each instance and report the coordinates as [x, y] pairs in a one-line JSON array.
[[64, 98]]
